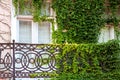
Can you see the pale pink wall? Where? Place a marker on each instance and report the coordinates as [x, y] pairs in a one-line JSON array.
[[2, 79], [5, 20]]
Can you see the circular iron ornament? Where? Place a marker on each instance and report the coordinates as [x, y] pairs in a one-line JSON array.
[[25, 61], [32, 60], [32, 57], [53, 61], [29, 59], [18, 60], [47, 60]]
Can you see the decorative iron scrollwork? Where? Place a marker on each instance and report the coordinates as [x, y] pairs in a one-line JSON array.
[[29, 58]]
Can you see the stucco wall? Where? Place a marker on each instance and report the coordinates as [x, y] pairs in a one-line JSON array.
[[5, 20]]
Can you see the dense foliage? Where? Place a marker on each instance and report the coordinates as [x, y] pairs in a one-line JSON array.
[[33, 7], [86, 62], [80, 18], [79, 21], [89, 62]]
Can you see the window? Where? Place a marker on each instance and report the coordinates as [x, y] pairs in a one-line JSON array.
[[25, 31], [44, 32], [45, 9], [107, 33], [29, 31]]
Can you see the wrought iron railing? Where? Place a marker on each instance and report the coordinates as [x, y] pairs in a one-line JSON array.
[[19, 60]]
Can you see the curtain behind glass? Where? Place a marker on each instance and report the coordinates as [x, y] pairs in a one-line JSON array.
[[27, 9], [25, 31], [44, 32], [45, 10]]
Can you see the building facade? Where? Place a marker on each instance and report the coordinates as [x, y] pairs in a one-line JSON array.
[[5, 20], [23, 29]]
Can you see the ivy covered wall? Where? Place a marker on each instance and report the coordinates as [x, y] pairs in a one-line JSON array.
[[85, 61], [79, 21], [80, 18]]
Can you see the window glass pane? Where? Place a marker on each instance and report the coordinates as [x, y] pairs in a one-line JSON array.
[[44, 32], [104, 35], [27, 9], [25, 12], [45, 10], [25, 31]]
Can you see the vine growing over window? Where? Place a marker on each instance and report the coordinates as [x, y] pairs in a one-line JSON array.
[[113, 16], [32, 6], [79, 21]]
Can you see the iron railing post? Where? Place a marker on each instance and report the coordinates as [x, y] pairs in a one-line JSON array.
[[0, 55], [13, 59]]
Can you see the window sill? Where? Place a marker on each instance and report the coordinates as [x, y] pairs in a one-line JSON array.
[[30, 17], [25, 17]]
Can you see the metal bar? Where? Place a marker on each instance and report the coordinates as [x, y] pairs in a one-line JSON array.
[[0, 55], [25, 55], [13, 59]]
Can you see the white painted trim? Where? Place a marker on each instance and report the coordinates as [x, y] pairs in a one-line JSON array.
[[13, 24], [50, 32], [34, 32], [17, 31], [25, 17], [106, 34], [112, 33]]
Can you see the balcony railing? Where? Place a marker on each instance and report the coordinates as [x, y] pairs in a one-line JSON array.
[[20, 60]]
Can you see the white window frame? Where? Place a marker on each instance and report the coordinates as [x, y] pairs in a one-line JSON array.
[[106, 34], [15, 25], [34, 28]]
